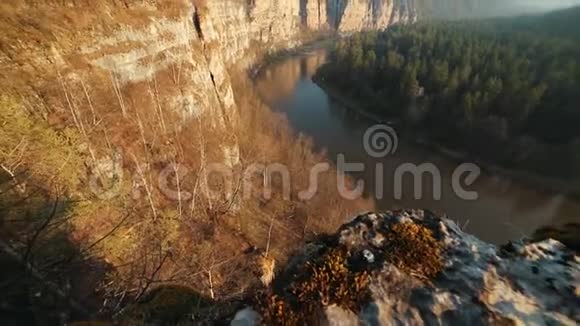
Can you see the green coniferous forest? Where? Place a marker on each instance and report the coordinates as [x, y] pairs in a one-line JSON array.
[[506, 90]]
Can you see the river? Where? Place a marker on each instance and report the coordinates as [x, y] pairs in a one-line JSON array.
[[505, 210]]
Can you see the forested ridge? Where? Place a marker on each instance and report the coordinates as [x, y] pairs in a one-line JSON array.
[[496, 88], [562, 24]]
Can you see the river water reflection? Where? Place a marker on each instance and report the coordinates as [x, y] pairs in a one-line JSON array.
[[505, 209]]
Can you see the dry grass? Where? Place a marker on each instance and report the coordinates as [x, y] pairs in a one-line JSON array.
[[327, 280], [168, 304], [144, 238], [176, 246]]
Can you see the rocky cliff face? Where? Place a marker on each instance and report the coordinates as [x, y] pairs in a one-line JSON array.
[[194, 41], [353, 15], [232, 31], [135, 41], [414, 268]]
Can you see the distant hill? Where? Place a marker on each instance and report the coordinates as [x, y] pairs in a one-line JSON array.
[[470, 9], [561, 23]]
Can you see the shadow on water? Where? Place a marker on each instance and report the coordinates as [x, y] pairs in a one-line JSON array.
[[505, 209]]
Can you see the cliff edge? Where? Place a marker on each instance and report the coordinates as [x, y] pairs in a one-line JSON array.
[[413, 268]]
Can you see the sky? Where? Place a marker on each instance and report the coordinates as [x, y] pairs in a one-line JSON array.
[[491, 8], [544, 5]]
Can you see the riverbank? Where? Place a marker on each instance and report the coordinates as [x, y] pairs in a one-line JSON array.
[[546, 184], [324, 41]]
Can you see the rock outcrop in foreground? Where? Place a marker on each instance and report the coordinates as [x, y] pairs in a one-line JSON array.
[[414, 268]]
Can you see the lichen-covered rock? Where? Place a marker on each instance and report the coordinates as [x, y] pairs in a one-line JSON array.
[[413, 268]]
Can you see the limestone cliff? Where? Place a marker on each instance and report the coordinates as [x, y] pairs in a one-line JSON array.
[[314, 14], [131, 41], [125, 43], [353, 15]]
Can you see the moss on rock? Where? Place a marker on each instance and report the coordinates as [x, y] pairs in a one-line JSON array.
[[340, 273], [330, 280], [412, 248]]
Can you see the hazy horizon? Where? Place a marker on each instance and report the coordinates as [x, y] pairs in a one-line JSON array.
[[459, 9], [546, 5]]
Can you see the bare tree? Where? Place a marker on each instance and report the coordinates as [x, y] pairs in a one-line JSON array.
[[146, 185]]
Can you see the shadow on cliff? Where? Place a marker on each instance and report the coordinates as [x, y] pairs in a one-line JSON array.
[[56, 285], [46, 277]]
